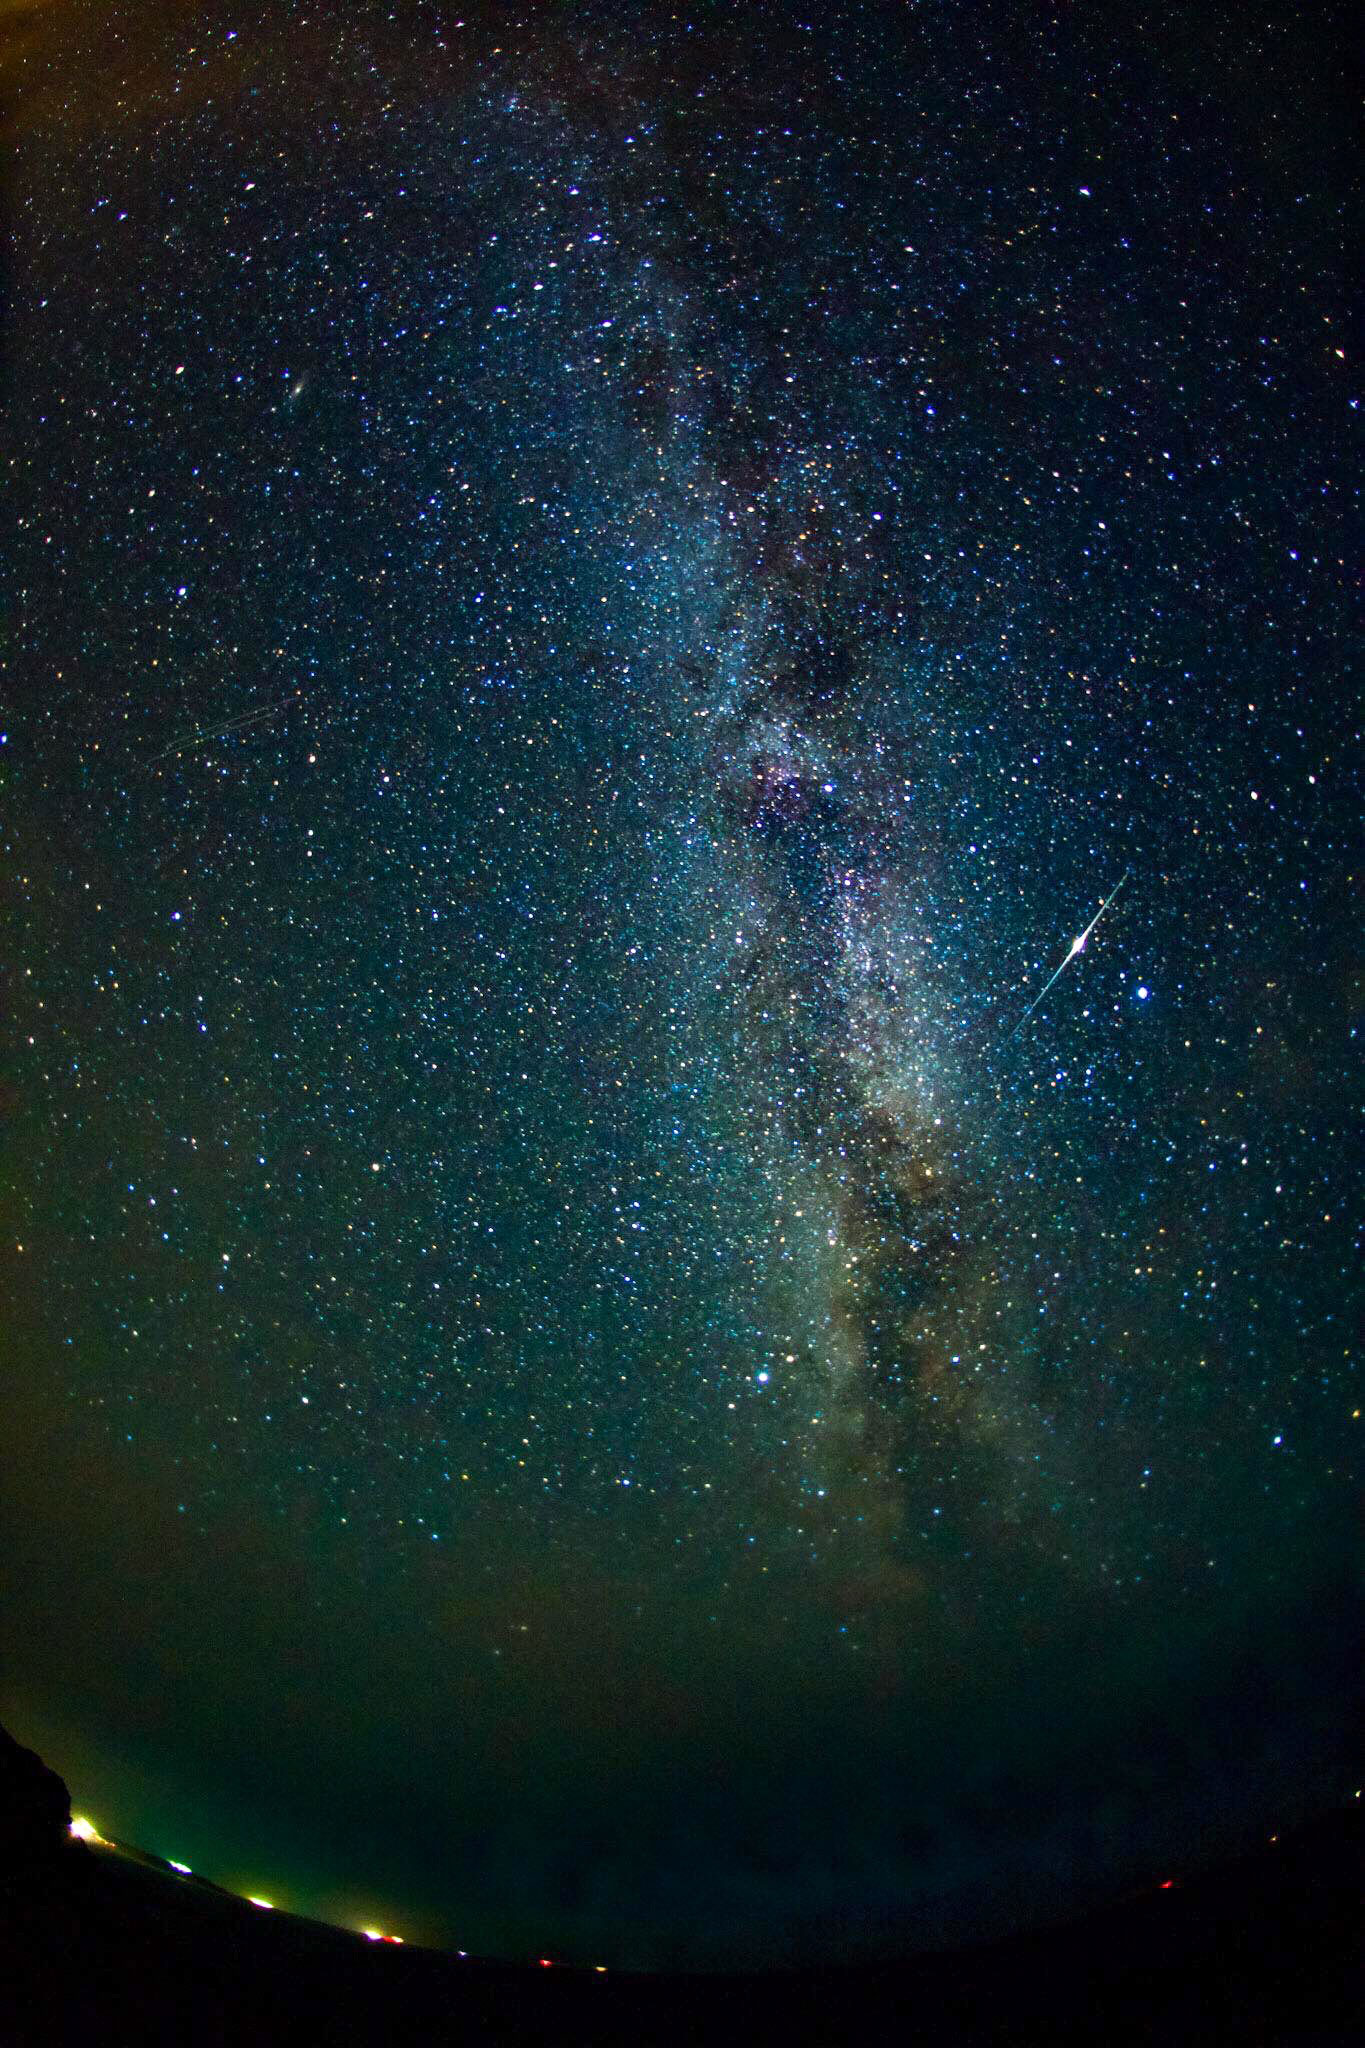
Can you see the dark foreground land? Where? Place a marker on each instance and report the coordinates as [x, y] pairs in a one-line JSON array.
[[102, 1946]]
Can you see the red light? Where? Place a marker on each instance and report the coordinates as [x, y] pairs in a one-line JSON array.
[[1166, 1883], [545, 1963]]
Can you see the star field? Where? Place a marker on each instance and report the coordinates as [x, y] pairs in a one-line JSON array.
[[593, 608]]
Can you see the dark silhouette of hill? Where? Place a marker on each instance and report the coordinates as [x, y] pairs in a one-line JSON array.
[[102, 1944]]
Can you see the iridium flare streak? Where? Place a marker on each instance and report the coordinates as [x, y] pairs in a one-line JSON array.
[[1077, 947]]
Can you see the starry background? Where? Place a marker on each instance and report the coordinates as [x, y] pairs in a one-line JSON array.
[[595, 596]]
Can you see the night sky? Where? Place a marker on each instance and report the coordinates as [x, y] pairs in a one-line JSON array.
[[595, 597]]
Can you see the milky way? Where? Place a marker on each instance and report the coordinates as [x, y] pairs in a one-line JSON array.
[[597, 1361]]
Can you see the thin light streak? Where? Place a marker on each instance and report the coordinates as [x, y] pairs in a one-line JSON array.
[[191, 742], [1076, 948]]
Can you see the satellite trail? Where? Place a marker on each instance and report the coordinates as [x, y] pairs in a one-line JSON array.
[[193, 740]]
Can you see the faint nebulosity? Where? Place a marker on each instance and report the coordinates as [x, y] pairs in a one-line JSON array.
[[597, 595]]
